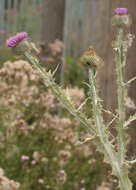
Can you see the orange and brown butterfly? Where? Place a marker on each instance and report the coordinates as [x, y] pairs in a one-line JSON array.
[[91, 59]]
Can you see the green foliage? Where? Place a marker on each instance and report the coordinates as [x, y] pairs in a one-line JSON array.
[[75, 74], [5, 55]]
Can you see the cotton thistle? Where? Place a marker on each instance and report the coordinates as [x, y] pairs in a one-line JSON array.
[[90, 59], [100, 133], [121, 18], [103, 143]]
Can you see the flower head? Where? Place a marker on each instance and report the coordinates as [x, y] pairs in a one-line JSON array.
[[121, 11], [24, 158], [14, 40], [91, 59], [121, 19], [34, 162], [62, 172], [82, 188]]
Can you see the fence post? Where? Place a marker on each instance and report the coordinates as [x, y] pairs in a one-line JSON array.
[[2, 29], [92, 21]]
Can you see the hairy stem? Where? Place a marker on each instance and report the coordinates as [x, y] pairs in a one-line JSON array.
[[101, 130], [120, 62], [109, 152]]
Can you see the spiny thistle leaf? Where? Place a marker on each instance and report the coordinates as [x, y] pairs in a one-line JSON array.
[[86, 140], [68, 94], [109, 112], [107, 159], [54, 72], [131, 80], [128, 122], [114, 118], [129, 103], [83, 103]]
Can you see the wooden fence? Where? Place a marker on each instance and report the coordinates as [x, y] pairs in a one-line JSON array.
[[20, 15], [79, 25], [79, 28]]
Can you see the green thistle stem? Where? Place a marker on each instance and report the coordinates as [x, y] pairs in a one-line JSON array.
[[101, 130], [59, 93], [120, 62], [106, 147], [102, 135]]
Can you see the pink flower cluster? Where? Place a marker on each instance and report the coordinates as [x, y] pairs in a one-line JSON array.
[[14, 40], [121, 11]]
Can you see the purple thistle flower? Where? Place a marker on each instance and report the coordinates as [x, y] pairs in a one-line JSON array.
[[27, 104], [33, 162], [62, 172], [121, 11], [14, 40], [24, 158], [82, 188], [52, 105], [30, 93]]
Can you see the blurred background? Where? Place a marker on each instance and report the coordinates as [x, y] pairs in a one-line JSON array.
[[63, 30], [78, 23]]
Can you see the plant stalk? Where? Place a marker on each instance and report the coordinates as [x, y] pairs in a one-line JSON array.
[[59, 93], [110, 155], [120, 63]]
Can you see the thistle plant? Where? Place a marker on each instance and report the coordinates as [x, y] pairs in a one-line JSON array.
[[98, 131]]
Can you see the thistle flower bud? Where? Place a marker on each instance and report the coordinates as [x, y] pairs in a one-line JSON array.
[[91, 60], [121, 18]]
